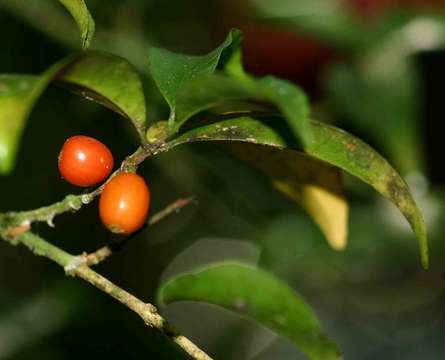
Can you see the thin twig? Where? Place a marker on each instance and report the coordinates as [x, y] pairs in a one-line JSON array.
[[174, 207], [106, 251], [74, 267]]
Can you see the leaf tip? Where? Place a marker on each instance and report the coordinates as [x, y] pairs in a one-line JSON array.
[[87, 35]]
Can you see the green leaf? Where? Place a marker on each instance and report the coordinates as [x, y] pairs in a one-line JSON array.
[[314, 185], [213, 90], [259, 295], [105, 78], [18, 94], [171, 70], [292, 103], [109, 80], [328, 144], [189, 87], [83, 18], [16, 97], [349, 153]]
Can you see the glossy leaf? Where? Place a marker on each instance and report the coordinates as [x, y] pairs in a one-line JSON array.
[[188, 87], [217, 89], [257, 294], [98, 76], [349, 153], [109, 80], [333, 146], [83, 18], [313, 184], [292, 103], [171, 70], [322, 199]]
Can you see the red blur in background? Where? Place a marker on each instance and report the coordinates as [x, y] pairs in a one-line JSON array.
[[298, 58]]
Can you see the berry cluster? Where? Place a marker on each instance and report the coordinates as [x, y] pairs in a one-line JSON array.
[[125, 200]]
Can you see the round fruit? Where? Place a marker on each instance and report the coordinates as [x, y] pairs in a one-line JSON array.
[[124, 203], [85, 161]]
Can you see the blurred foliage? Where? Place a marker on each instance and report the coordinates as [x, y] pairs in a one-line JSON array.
[[373, 298]]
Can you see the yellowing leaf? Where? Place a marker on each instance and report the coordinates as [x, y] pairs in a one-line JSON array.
[[315, 185], [325, 203]]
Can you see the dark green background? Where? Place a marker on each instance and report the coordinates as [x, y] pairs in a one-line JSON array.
[[374, 298]]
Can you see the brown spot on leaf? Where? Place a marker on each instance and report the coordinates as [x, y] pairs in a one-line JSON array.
[[397, 191], [239, 305], [351, 146]]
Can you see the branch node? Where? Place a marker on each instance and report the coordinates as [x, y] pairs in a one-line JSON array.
[[85, 199], [14, 232], [73, 202], [72, 266]]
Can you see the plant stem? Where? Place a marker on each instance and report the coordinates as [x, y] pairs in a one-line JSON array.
[[73, 203], [170, 209], [74, 266], [14, 228]]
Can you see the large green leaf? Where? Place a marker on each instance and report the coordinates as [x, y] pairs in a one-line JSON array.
[[105, 78], [110, 80], [188, 86], [349, 153], [217, 89], [328, 144], [313, 184], [83, 18], [259, 295], [171, 70]]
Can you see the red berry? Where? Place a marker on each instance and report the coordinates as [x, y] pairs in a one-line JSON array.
[[85, 161], [124, 203]]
